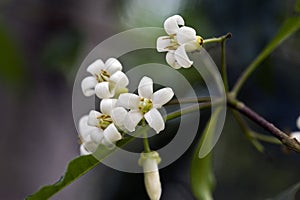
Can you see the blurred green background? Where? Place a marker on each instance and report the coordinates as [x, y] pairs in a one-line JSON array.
[[42, 44]]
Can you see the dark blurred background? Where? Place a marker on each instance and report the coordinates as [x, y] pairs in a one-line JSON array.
[[42, 44]]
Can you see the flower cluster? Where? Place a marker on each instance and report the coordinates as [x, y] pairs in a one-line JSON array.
[[180, 40], [296, 134], [121, 111], [120, 115]]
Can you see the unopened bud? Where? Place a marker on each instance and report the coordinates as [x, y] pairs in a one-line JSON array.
[[150, 161]]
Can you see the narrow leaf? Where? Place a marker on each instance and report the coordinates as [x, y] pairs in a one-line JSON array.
[[211, 132], [76, 168], [202, 176], [289, 194], [290, 26], [80, 166]]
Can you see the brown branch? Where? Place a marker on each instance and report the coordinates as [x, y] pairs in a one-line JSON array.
[[291, 143]]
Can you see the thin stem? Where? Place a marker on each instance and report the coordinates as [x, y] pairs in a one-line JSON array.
[[146, 144], [291, 143], [221, 40], [188, 109], [189, 100], [265, 138], [245, 75], [218, 39], [248, 132], [223, 64]]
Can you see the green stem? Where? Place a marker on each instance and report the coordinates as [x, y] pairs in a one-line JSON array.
[[146, 144], [218, 39], [189, 100], [265, 138], [187, 110], [242, 79], [245, 128], [223, 64]]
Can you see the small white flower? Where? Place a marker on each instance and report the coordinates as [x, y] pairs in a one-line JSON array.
[[179, 41], [149, 162], [145, 105], [87, 146], [107, 79], [107, 122], [296, 134]]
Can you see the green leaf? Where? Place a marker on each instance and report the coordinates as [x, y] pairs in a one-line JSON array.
[[76, 168], [210, 133], [289, 194], [290, 26], [202, 176], [81, 165]]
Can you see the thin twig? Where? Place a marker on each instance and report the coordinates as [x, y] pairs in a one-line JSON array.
[[291, 143]]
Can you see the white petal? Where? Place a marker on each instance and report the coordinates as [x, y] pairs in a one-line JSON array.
[[111, 135], [118, 115], [171, 24], [145, 88], [155, 120], [120, 79], [129, 100], [182, 58], [97, 136], [104, 91], [84, 151], [296, 135], [162, 43], [90, 146], [93, 118], [186, 34], [95, 67], [162, 97], [83, 128], [88, 85], [170, 58], [106, 105], [298, 122], [112, 65], [132, 119]]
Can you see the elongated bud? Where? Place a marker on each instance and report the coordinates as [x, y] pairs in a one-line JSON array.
[[149, 162]]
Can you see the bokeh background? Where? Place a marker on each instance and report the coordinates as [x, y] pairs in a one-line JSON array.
[[42, 44]]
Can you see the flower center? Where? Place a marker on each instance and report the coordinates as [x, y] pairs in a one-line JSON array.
[[103, 76], [199, 40], [104, 121], [145, 105]]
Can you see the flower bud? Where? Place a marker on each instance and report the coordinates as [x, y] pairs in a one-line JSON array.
[[149, 162]]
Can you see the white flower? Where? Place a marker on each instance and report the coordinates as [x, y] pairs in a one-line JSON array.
[[107, 80], [149, 162], [179, 41], [145, 105], [107, 122], [296, 134], [87, 145]]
